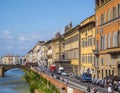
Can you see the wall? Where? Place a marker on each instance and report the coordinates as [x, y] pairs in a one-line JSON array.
[[63, 87]]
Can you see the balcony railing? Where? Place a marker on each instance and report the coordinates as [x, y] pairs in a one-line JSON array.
[[113, 50]]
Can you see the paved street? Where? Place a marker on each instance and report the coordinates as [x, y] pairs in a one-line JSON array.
[[74, 83]]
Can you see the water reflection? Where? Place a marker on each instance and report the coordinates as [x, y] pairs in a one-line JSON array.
[[13, 82]]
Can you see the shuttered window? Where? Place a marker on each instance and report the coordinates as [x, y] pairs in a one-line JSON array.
[[119, 9], [113, 39], [104, 17], [102, 61], [108, 15], [119, 38], [114, 12], [105, 42], [109, 40], [116, 39]]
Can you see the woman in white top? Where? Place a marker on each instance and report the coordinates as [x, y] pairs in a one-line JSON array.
[[110, 89]]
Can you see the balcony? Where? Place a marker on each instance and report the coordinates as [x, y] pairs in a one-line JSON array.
[[96, 52], [113, 50]]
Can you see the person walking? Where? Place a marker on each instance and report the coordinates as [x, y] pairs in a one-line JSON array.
[[110, 89], [94, 89], [119, 87]]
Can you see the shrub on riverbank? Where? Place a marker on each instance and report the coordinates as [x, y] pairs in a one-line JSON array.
[[38, 82]]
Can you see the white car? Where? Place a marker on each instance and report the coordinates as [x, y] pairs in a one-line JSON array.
[[65, 73]]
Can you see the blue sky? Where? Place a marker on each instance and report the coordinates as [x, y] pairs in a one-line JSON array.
[[24, 22]]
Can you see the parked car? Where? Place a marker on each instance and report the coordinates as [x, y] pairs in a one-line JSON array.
[[94, 81], [65, 73], [101, 83], [86, 77]]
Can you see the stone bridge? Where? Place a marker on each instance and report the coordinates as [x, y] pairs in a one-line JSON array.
[[4, 68]]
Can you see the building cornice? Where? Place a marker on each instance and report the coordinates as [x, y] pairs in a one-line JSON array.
[[73, 30], [106, 2]]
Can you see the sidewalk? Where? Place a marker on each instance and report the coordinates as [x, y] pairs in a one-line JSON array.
[[79, 87]]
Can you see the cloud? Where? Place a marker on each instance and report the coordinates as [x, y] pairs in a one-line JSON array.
[[17, 42], [23, 38], [7, 35]]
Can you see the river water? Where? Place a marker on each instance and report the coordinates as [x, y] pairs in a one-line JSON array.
[[13, 82]]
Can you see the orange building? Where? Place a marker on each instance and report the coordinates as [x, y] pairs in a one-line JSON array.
[[107, 38]]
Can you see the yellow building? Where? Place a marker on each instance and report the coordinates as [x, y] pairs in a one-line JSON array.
[[57, 47], [71, 37], [87, 44]]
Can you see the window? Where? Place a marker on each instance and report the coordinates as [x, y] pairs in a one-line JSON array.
[[119, 9], [102, 42], [119, 38], [102, 61], [108, 61], [90, 41], [113, 59], [108, 15], [83, 58], [102, 18], [115, 37], [83, 43], [77, 53], [114, 12], [97, 2], [90, 58], [102, 1], [96, 20], [111, 14], [109, 40]]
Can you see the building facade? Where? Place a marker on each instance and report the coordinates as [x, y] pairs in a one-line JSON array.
[[10, 59], [71, 48], [49, 52], [58, 54], [107, 37], [87, 40]]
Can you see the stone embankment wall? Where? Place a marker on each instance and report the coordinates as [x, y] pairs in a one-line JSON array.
[[64, 88]]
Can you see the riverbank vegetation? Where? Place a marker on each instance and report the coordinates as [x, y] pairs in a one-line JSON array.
[[39, 83]]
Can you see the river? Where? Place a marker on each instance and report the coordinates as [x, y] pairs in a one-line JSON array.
[[13, 82]]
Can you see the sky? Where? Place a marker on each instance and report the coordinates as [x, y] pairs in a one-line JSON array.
[[25, 22]]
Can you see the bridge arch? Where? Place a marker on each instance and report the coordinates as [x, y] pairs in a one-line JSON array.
[[5, 68]]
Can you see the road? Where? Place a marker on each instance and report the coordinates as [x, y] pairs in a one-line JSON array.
[[72, 82]]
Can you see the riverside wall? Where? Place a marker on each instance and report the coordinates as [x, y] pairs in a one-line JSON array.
[[63, 87]]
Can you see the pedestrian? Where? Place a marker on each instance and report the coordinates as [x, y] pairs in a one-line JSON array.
[[88, 88], [119, 87], [110, 89], [94, 89]]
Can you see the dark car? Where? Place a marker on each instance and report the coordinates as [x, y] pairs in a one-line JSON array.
[[86, 77], [101, 83]]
